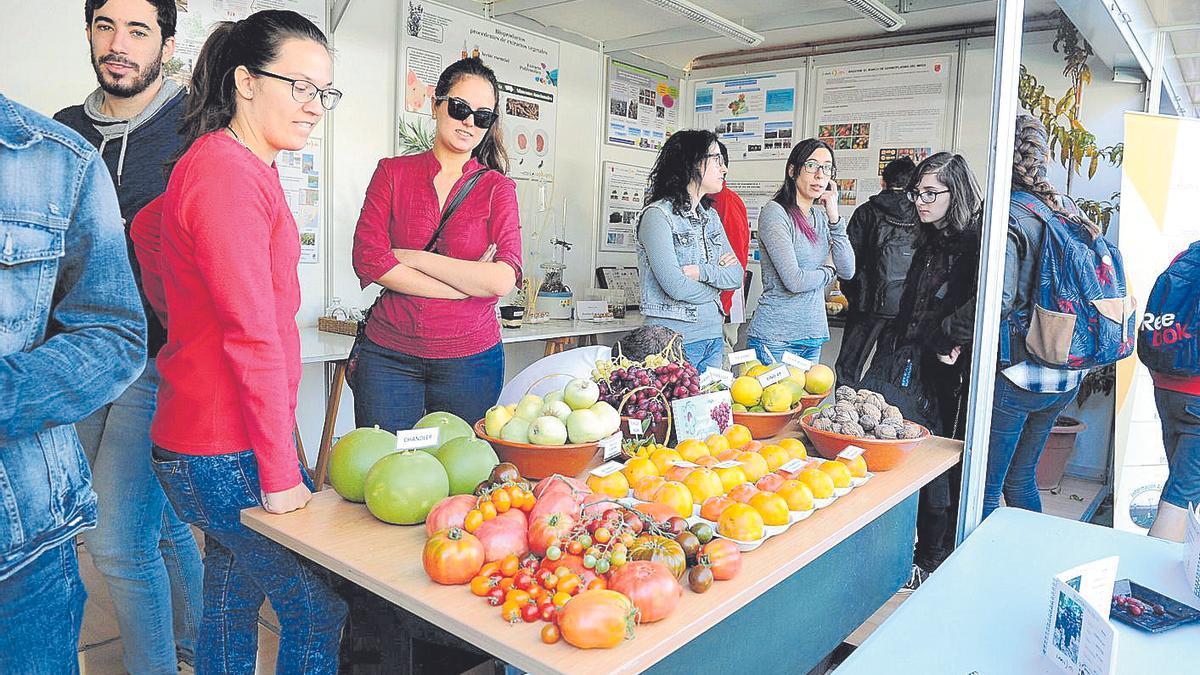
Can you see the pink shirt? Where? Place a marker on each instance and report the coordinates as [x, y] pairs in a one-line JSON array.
[[401, 211]]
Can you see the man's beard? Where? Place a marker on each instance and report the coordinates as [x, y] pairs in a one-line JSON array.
[[142, 77]]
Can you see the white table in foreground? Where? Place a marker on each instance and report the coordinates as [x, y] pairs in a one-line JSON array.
[[984, 610]]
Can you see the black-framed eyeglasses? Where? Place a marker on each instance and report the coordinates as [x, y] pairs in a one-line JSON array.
[[304, 91], [925, 197], [812, 166], [461, 110], [717, 156]]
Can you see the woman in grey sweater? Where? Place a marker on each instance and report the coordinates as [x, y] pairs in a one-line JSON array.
[[684, 258], [804, 247]]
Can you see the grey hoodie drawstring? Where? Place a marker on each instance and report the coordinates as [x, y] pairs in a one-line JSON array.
[[108, 127], [120, 158]]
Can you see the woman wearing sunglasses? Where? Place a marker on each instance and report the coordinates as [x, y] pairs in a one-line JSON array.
[[432, 342], [804, 247], [922, 362], [218, 252]]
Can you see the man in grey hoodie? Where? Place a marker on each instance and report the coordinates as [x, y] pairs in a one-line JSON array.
[[146, 553]]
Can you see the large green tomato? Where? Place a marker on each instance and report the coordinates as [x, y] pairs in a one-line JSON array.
[[449, 427], [403, 487], [353, 456], [468, 462]]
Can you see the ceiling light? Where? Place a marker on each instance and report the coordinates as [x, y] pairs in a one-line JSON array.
[[714, 22], [879, 13]]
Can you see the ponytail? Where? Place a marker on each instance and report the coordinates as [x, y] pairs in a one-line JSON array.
[[490, 152], [253, 42]]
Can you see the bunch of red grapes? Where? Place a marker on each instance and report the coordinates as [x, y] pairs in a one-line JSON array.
[[673, 380]]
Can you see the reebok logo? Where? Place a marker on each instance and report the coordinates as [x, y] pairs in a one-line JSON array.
[[1164, 329]]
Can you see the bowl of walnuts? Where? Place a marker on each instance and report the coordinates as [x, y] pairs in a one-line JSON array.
[[863, 418]]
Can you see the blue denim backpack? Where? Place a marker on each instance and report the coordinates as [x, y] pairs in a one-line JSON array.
[[1167, 341], [1081, 315]]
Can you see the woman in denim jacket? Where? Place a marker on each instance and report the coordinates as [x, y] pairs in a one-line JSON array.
[[684, 258]]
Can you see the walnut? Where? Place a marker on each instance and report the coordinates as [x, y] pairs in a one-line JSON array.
[[887, 431], [877, 400], [910, 430], [852, 429], [826, 413], [823, 424], [843, 393], [869, 419], [866, 408], [846, 406], [892, 413]]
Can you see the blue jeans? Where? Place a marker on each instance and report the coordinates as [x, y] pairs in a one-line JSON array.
[[242, 567], [771, 351], [394, 390], [147, 555], [705, 353], [1180, 414], [42, 610], [1021, 423]]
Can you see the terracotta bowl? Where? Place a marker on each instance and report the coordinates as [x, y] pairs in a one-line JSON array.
[[807, 402], [880, 455], [765, 424], [539, 461]]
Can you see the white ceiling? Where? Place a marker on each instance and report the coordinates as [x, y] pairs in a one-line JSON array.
[[1185, 43]]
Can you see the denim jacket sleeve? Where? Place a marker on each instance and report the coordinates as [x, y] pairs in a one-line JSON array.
[[654, 233], [96, 326], [725, 278]]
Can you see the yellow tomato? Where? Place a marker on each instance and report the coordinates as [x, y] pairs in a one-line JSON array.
[[741, 522], [857, 466], [692, 449], [664, 458], [795, 448], [775, 455], [675, 496], [839, 472], [754, 465], [737, 435], [704, 483], [716, 444], [772, 508], [796, 494], [818, 481], [730, 477], [614, 485], [638, 468]]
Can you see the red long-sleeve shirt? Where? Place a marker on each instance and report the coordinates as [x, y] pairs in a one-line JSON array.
[[401, 211], [732, 210], [218, 252]]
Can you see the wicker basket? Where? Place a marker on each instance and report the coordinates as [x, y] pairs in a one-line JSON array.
[[341, 327]]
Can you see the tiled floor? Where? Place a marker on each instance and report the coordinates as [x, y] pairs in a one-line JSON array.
[[100, 642]]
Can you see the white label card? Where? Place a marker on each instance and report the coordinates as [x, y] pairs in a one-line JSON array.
[[776, 374], [793, 465], [797, 362], [611, 446], [851, 452], [744, 356], [417, 439], [713, 375], [607, 469], [690, 465], [727, 464], [635, 427]]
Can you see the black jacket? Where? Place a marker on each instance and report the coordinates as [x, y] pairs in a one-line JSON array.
[[883, 233]]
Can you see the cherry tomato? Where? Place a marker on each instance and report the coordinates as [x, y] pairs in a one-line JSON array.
[[536, 592], [473, 520], [506, 584], [603, 535], [575, 547], [550, 634], [560, 598], [517, 595], [501, 500], [523, 580], [495, 597], [510, 565], [488, 509], [585, 540], [530, 613], [511, 612], [597, 584], [528, 501], [489, 569], [548, 579], [480, 586], [548, 613], [561, 571], [553, 553], [516, 495], [570, 584]]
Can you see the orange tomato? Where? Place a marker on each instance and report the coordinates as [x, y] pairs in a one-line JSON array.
[[741, 522], [677, 497], [717, 443], [795, 448], [730, 477], [737, 435], [511, 612], [639, 468], [770, 482], [713, 507], [597, 584], [691, 449], [742, 493], [775, 455], [838, 472], [528, 501], [752, 446], [489, 569], [772, 508], [857, 466], [560, 598], [488, 509], [663, 458], [818, 481], [753, 465], [506, 584], [613, 485], [703, 483], [518, 596], [481, 585], [501, 500], [678, 472], [796, 494], [510, 565], [569, 584], [646, 487], [473, 520]]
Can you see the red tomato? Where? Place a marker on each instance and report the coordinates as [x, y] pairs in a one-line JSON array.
[[523, 580], [650, 586], [548, 613], [723, 557], [495, 597], [452, 556], [530, 613], [546, 528], [550, 634], [596, 619]]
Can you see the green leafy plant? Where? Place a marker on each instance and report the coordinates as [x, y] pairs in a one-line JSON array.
[[414, 137]]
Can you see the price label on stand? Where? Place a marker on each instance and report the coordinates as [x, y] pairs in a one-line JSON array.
[[851, 452], [727, 464], [635, 427], [715, 375], [797, 362], [776, 374], [793, 465], [606, 469], [685, 463], [417, 439], [744, 356], [611, 446]]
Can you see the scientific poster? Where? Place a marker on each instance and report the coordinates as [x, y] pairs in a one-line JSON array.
[[1159, 193], [623, 193], [299, 172], [643, 106], [755, 194], [872, 113], [434, 36], [754, 115]]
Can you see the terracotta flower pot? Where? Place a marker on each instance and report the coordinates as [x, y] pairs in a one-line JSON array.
[[1059, 447]]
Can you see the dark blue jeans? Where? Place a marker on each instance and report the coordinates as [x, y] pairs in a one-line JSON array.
[[1180, 414], [242, 567], [705, 353], [1021, 423], [41, 610], [394, 390]]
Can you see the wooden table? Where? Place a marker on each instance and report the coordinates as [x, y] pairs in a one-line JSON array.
[[333, 350], [563, 334], [384, 559]]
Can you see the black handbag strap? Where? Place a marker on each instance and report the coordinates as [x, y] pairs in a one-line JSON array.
[[452, 206]]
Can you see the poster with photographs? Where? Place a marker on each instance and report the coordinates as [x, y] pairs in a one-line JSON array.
[[624, 190], [300, 171], [873, 113], [755, 116], [434, 36], [643, 106], [755, 194]]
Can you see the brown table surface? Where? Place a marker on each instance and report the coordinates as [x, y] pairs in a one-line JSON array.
[[385, 559]]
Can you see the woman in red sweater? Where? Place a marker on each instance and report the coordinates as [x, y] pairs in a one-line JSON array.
[[432, 341], [219, 251]]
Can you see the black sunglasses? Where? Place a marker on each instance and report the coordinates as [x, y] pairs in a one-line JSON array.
[[461, 110], [304, 91]]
